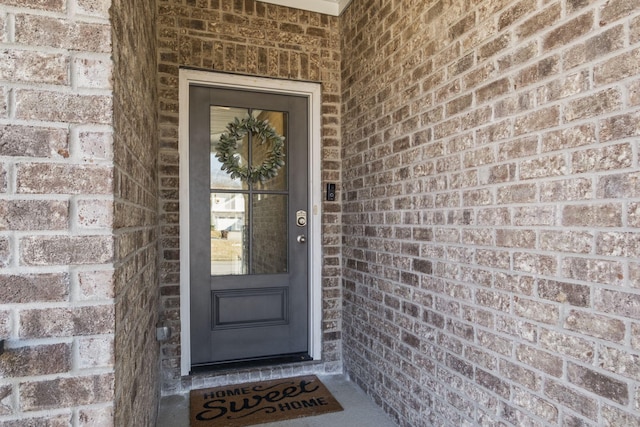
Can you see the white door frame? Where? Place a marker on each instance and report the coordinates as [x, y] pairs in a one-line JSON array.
[[233, 81]]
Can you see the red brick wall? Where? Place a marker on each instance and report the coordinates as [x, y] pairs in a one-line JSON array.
[[491, 199]]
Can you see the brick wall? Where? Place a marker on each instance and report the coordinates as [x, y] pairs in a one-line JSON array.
[[248, 37], [56, 215], [135, 219], [490, 211], [78, 203]]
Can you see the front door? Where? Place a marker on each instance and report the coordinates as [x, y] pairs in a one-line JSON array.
[[248, 183]]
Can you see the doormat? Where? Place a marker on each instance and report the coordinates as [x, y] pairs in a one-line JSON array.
[[260, 402]]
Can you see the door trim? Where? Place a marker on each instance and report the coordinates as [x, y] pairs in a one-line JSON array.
[[286, 87]]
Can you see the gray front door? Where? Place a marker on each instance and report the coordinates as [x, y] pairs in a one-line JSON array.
[[248, 250]]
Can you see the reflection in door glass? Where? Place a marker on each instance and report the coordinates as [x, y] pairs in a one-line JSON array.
[[220, 118], [228, 234], [248, 219], [260, 151], [269, 234]]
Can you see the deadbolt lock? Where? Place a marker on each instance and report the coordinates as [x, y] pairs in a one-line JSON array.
[[301, 218]]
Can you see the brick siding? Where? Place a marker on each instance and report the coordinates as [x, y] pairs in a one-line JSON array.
[[135, 217], [78, 214], [490, 177], [486, 243], [56, 222]]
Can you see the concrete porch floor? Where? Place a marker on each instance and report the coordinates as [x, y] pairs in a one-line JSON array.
[[359, 409]]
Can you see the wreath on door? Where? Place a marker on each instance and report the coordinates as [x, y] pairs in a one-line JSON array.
[[227, 149]]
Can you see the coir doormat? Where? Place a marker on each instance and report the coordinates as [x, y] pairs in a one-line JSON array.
[[260, 402]]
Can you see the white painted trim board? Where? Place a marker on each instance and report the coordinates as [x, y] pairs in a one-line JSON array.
[[328, 7]]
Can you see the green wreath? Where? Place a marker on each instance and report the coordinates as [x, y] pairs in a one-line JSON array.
[[226, 150]]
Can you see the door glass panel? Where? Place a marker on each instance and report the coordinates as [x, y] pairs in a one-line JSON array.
[[248, 221], [220, 118], [228, 234], [260, 150], [269, 234]]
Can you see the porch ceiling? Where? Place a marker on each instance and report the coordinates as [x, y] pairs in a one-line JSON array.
[[329, 7]]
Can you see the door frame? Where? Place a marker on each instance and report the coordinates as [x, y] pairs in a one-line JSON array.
[[310, 90]]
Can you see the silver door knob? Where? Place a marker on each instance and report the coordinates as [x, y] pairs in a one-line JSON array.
[[301, 238]]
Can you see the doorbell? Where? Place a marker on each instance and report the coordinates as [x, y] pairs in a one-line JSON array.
[[331, 192]]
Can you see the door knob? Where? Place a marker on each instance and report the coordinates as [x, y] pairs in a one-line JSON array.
[[301, 238]]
